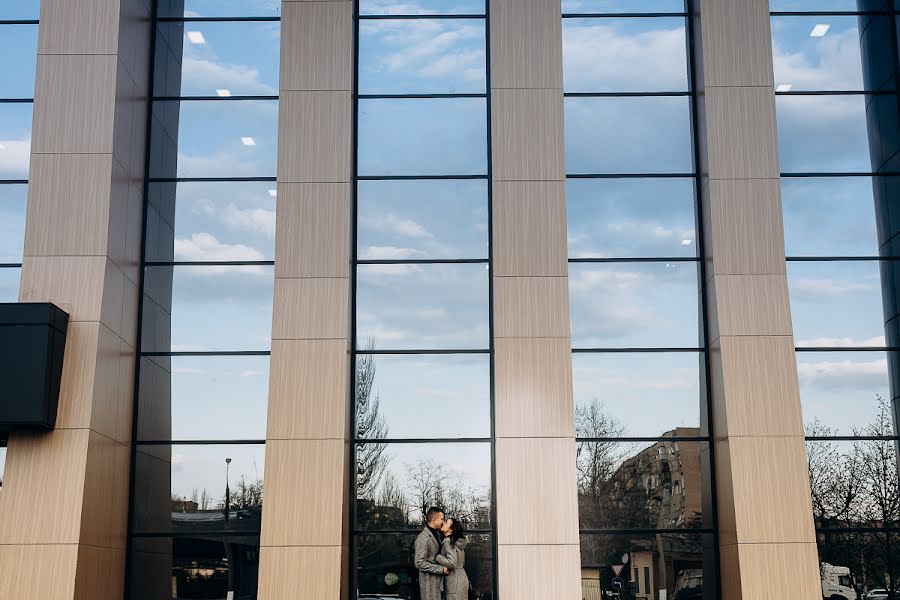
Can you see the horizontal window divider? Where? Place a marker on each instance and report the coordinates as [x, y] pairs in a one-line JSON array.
[[820, 13], [210, 98], [217, 19], [852, 438], [416, 177], [200, 442], [622, 15], [626, 94], [19, 22], [412, 531], [629, 350], [626, 440], [839, 174], [10, 265], [635, 259], [425, 351], [872, 258], [16, 100], [416, 17], [210, 353], [196, 534], [13, 182], [837, 93], [886, 529], [206, 179], [470, 440], [629, 175], [418, 96], [689, 530], [210, 263], [425, 261], [846, 349]]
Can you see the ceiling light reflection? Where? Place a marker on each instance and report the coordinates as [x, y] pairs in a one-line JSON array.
[[223, 93], [784, 87], [196, 37], [819, 30], [248, 141]]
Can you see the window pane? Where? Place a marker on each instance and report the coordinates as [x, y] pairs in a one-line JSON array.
[[843, 392], [822, 133], [398, 396], [813, 62], [12, 222], [833, 216], [220, 8], [423, 137], [624, 55], [216, 138], [628, 135], [631, 217], [20, 9], [240, 58], [836, 303], [213, 221], [209, 398], [9, 284], [861, 561], [622, 6], [17, 76], [640, 305], [817, 5], [181, 488], [673, 566], [417, 56], [385, 569], [634, 394], [394, 482], [15, 140], [422, 219], [422, 306], [212, 308], [421, 7], [2, 464], [195, 567]]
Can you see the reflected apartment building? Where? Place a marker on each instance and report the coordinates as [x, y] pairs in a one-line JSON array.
[[611, 282]]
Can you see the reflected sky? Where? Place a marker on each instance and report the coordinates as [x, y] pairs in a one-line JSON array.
[[822, 134], [15, 140], [622, 6], [20, 9], [196, 467], [420, 7], [805, 62], [9, 284], [814, 5], [221, 8], [17, 76], [12, 222]]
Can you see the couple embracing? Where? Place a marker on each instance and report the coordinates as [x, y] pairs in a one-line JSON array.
[[440, 557]]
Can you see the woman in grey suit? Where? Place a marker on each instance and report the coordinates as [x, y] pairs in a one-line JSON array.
[[453, 556]]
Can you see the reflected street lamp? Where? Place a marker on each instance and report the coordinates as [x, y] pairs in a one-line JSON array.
[[227, 490]]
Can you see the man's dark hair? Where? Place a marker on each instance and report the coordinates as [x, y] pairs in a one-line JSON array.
[[429, 514]]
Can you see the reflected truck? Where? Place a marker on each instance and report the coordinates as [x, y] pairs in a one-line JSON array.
[[837, 583]]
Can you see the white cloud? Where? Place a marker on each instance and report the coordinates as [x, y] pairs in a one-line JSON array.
[[843, 374], [606, 280], [14, 158], [205, 247], [837, 63], [259, 220], [844, 342], [250, 373], [397, 225], [210, 75], [188, 371], [828, 288]]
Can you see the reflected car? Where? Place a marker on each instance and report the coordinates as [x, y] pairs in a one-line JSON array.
[[877, 594]]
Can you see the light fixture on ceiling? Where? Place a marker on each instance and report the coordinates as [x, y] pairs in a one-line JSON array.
[[819, 30], [223, 93], [248, 141], [687, 242], [196, 37], [273, 193], [784, 87]]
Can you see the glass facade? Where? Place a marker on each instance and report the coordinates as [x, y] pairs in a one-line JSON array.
[[639, 356], [206, 304], [422, 331], [18, 37], [837, 106]]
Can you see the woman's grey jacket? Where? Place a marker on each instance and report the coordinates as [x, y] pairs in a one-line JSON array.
[[453, 556]]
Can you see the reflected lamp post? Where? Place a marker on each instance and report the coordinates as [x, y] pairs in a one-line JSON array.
[[227, 490]]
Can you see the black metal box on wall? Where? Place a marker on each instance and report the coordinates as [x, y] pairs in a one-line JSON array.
[[32, 342]]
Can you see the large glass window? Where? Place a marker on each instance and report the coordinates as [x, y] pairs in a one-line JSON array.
[[206, 317], [422, 410], [639, 362], [836, 92]]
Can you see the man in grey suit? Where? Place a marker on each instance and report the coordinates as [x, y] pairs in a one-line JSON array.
[[427, 547]]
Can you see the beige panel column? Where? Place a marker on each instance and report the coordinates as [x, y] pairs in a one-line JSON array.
[[537, 507], [304, 530], [64, 505], [766, 530]]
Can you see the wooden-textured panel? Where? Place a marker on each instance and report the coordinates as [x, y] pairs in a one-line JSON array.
[[313, 233], [748, 570], [68, 210], [153, 490], [43, 486], [741, 138], [78, 376], [529, 223], [304, 483], [743, 227], [536, 491], [533, 387], [737, 44], [104, 516], [84, 27], [747, 465], [317, 567], [74, 104], [317, 308], [74, 283], [308, 389], [101, 573], [531, 307], [749, 305], [527, 135], [317, 46], [45, 572], [545, 571], [526, 44], [134, 41], [758, 391], [314, 137]]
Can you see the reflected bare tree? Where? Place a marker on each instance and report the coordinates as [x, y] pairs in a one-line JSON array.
[[435, 484], [371, 459]]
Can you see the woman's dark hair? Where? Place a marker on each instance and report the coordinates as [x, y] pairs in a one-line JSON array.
[[458, 531]]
